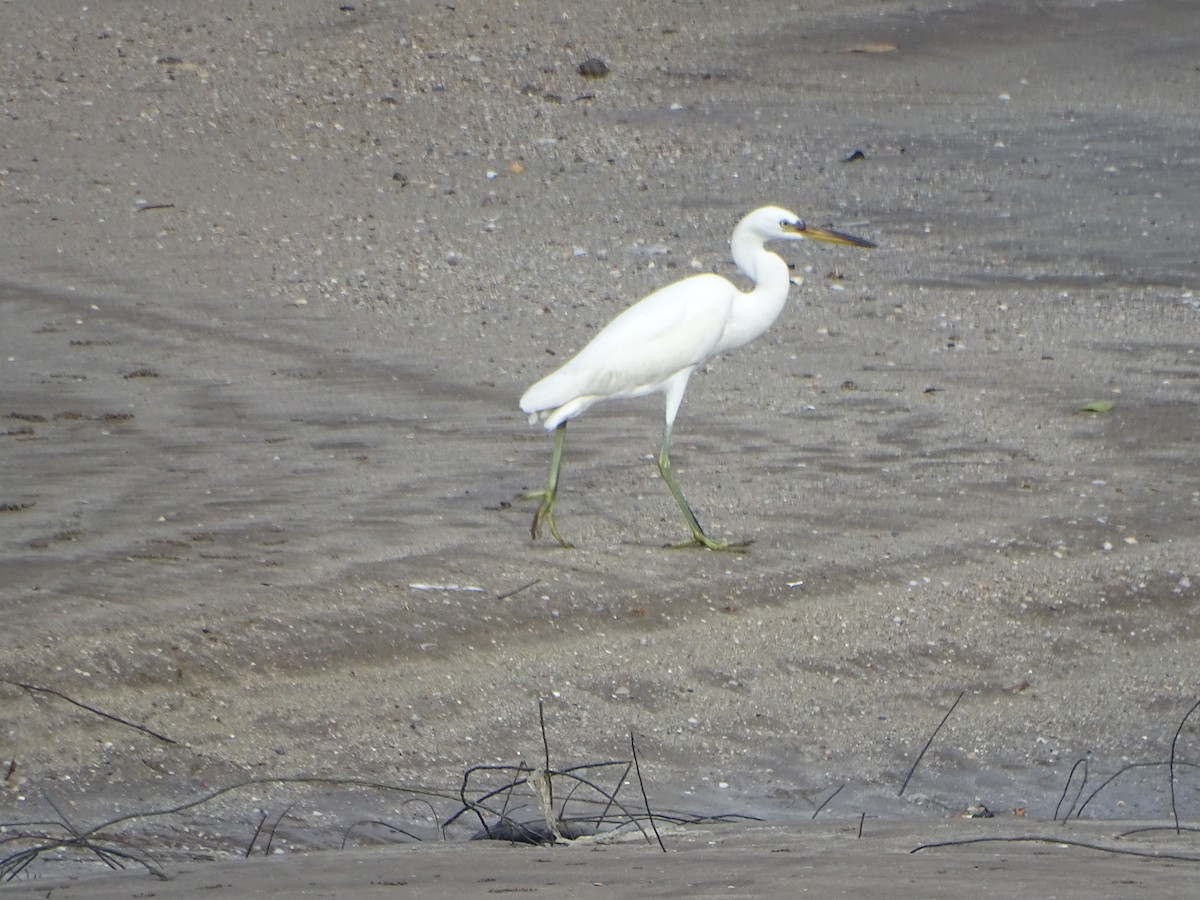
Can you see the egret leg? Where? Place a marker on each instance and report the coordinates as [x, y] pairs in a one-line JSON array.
[[699, 538], [545, 512]]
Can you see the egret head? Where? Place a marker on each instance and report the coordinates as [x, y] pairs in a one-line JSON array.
[[773, 223]]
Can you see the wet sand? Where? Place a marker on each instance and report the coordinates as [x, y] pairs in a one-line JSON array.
[[273, 281], [708, 863]]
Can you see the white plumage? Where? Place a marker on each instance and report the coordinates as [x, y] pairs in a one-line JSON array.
[[673, 330]]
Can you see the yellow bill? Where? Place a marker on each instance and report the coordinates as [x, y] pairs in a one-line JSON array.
[[829, 236]]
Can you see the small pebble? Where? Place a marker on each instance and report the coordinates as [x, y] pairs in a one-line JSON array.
[[593, 68]]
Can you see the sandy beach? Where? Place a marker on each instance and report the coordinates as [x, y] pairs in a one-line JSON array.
[[272, 279]]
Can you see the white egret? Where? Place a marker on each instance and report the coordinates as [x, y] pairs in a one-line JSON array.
[[655, 345]]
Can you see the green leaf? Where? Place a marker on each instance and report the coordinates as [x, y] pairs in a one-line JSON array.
[[1098, 406]]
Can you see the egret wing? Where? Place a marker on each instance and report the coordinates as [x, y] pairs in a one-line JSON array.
[[674, 328]]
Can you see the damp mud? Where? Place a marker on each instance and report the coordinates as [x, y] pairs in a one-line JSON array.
[[273, 283]]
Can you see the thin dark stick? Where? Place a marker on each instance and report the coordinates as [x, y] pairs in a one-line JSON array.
[[250, 782], [146, 206], [516, 591], [825, 802], [1149, 828], [91, 709], [917, 761], [612, 798], [862, 819], [1036, 839], [1174, 741], [476, 805], [546, 758], [271, 833], [1066, 787], [1107, 781], [502, 815], [112, 857], [12, 866], [468, 806], [254, 837], [15, 863], [63, 820], [642, 787], [579, 785], [1180, 764], [379, 822], [432, 814]]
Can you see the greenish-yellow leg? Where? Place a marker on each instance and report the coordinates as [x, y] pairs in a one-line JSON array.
[[545, 512], [699, 538]]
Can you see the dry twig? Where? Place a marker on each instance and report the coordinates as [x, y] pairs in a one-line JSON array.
[[826, 801], [33, 688], [1038, 839], [642, 785], [917, 761], [1174, 741], [1066, 787]]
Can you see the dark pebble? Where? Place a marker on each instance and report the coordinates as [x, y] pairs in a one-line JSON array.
[[593, 68]]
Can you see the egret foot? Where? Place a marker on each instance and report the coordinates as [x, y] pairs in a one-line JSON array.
[[699, 538], [703, 540], [544, 517]]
